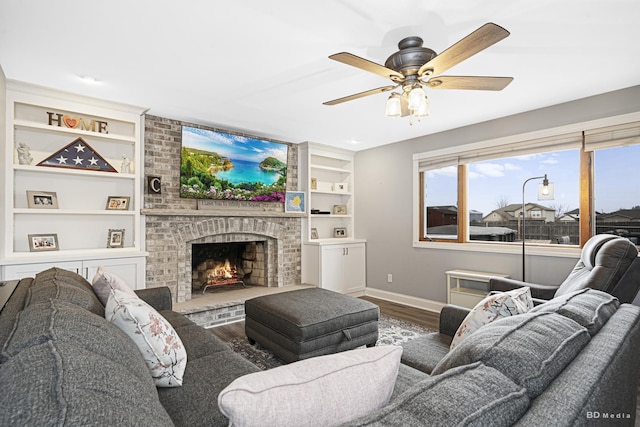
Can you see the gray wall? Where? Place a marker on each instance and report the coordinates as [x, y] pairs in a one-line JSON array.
[[383, 202]]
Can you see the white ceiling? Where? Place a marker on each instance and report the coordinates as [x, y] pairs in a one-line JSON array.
[[261, 67]]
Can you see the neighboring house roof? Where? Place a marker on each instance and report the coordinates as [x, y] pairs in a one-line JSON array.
[[623, 215], [507, 212]]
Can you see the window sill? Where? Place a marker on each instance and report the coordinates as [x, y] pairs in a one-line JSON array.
[[502, 248]]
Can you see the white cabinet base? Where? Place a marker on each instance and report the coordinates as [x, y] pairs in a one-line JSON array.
[[339, 267], [131, 270]]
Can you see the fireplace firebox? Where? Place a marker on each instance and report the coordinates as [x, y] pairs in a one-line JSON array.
[[227, 265]]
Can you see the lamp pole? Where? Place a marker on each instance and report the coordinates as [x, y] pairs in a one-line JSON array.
[[546, 183]]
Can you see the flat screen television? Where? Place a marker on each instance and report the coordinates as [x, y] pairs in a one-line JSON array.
[[224, 166]]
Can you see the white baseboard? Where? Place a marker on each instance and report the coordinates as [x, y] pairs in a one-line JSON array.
[[410, 301]]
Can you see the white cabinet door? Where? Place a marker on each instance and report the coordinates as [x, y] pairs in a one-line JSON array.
[[332, 260], [354, 268], [131, 270], [21, 271], [343, 267]]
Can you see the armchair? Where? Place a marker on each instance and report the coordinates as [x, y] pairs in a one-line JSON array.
[[608, 263]]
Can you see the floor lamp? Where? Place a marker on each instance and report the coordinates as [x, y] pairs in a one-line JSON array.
[[545, 192]]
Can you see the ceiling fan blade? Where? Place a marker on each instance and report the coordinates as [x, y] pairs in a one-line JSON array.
[[366, 65], [469, 82], [360, 95], [475, 42]]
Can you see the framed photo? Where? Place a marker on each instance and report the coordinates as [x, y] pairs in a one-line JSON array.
[[43, 242], [339, 209], [314, 233], [314, 183], [118, 203], [340, 187], [339, 232], [294, 201], [42, 199], [116, 238]]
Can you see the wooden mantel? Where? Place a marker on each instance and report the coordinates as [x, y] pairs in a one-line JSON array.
[[221, 213]]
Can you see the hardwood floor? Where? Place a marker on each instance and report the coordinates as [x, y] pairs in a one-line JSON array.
[[420, 317]]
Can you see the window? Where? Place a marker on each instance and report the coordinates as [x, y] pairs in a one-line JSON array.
[[595, 170], [495, 190], [617, 191], [440, 213]]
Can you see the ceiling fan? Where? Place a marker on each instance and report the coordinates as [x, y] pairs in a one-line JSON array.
[[414, 66]]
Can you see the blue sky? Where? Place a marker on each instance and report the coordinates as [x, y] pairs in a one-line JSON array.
[[233, 146], [617, 186]]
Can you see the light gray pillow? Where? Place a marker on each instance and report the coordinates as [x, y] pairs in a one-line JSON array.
[[105, 281], [325, 391]]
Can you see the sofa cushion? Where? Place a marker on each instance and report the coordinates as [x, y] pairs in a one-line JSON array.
[[531, 349], [588, 307], [470, 395], [61, 383], [424, 353], [194, 404], [491, 308], [160, 345], [326, 390], [105, 281], [65, 285], [57, 320]]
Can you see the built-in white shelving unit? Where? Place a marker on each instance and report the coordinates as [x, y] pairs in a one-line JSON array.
[[45, 121], [332, 257]]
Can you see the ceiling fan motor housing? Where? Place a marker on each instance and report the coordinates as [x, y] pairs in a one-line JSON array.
[[410, 57]]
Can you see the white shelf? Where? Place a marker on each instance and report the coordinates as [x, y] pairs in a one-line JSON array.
[[69, 171], [24, 124], [331, 169], [30, 211]]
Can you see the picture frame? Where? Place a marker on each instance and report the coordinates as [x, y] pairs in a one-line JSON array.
[[115, 238], [42, 199], [294, 201], [43, 242], [118, 203], [314, 183], [340, 187], [339, 209], [339, 232], [314, 233]]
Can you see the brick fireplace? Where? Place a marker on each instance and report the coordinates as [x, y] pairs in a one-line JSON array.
[[170, 240], [173, 224]]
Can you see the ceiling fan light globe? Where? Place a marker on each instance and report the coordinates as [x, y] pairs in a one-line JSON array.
[[422, 110], [416, 98], [393, 108]]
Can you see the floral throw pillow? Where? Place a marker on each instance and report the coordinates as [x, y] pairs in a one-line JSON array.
[[156, 339], [493, 307]]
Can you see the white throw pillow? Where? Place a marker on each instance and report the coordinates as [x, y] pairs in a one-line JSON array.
[[491, 308], [320, 391], [160, 345], [105, 281]]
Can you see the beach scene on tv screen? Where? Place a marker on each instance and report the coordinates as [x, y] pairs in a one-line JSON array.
[[224, 166]]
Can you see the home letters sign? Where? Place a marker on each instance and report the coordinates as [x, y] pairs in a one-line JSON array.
[[58, 119]]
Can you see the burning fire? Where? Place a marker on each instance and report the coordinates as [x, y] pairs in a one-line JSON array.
[[221, 271]]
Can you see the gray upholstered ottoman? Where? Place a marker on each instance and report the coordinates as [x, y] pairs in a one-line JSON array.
[[299, 324]]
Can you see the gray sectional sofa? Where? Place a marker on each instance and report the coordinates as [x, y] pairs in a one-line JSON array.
[[570, 362]]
